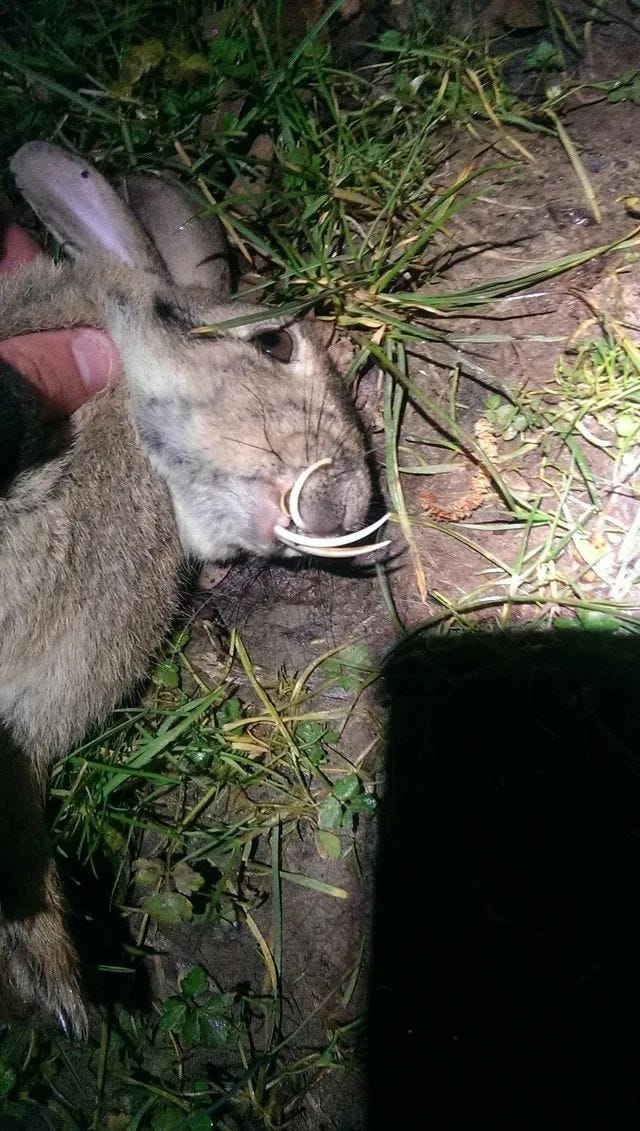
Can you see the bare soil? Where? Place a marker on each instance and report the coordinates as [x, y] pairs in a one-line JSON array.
[[288, 615]]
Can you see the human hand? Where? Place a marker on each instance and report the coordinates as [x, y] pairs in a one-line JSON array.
[[66, 367]]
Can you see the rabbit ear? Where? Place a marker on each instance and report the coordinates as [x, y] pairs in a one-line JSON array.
[[192, 246], [79, 207]]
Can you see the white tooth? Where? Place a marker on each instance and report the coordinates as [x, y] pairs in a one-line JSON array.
[[284, 506], [338, 551], [294, 494], [309, 542]]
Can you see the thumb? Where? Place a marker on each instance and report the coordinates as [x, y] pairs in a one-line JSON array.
[[66, 367]]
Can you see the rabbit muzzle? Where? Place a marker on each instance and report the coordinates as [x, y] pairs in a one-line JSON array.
[[331, 502]]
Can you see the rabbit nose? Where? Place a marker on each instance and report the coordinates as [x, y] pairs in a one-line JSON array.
[[327, 505], [321, 517]]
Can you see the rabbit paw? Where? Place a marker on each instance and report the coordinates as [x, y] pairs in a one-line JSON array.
[[41, 971]]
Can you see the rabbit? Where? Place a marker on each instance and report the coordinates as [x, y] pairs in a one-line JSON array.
[[189, 457]]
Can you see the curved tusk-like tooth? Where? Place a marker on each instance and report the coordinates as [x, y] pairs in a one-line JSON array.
[[284, 505], [342, 551], [294, 494], [338, 551], [309, 542]]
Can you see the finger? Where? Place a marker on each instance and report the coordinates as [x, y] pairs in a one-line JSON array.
[[17, 249], [66, 367]]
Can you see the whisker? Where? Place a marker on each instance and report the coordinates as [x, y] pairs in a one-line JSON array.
[[246, 444]]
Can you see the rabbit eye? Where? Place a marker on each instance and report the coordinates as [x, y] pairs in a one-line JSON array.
[[277, 343]]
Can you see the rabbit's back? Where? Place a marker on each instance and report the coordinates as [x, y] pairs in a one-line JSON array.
[[89, 577]]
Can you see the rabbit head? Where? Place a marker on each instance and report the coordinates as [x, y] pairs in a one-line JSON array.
[[231, 401]]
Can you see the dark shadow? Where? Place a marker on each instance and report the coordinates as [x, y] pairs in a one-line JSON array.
[[27, 438], [505, 985], [24, 843], [113, 971], [26, 851]]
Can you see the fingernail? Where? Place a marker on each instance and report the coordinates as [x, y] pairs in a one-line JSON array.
[[97, 359]]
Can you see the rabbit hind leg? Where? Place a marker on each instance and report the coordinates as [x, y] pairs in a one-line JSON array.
[[39, 969]]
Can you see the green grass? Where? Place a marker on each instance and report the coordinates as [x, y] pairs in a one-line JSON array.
[[575, 438], [185, 803]]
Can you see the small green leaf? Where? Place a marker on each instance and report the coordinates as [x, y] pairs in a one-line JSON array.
[[147, 872], [49, 1068], [330, 815], [194, 982], [347, 788], [389, 39], [191, 1028], [184, 67], [174, 1013], [216, 1031], [198, 1121], [7, 1080], [310, 736], [566, 623], [202, 756], [356, 656], [113, 839], [544, 57], [626, 425], [138, 61], [328, 845], [168, 908], [186, 879], [230, 710], [166, 674], [167, 1119], [326, 1059], [349, 666], [364, 803], [493, 401], [309, 732], [595, 621], [316, 754]]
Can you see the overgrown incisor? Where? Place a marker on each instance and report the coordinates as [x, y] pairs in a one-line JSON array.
[[191, 456]]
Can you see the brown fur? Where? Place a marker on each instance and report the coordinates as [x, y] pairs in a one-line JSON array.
[[188, 457], [88, 589]]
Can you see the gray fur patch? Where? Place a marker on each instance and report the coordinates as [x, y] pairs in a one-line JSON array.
[[163, 426]]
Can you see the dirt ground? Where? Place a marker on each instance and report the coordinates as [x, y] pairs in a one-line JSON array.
[[288, 615]]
